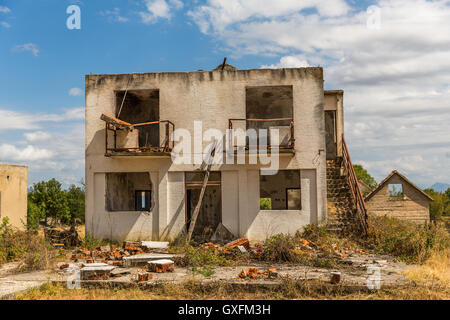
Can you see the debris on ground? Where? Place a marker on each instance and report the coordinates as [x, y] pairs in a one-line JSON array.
[[254, 274], [142, 259], [335, 277], [222, 234], [144, 276], [95, 271], [133, 253], [161, 266], [112, 261], [239, 242], [60, 236]]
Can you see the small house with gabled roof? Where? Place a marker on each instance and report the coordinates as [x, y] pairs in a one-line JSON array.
[[398, 197]]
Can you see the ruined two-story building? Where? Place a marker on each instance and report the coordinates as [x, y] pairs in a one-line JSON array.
[[287, 176]]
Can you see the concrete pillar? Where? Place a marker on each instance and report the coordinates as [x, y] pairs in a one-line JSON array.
[[339, 122]]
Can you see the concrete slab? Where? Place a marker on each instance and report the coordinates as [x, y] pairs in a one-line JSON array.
[[142, 259], [92, 271], [155, 244], [85, 265], [161, 266]]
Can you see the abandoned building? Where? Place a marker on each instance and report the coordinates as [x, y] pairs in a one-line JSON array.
[[398, 197], [13, 194], [135, 191], [365, 188]]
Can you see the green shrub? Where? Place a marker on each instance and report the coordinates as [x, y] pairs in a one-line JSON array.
[[28, 247], [314, 232], [279, 248], [200, 257], [90, 243], [408, 241]]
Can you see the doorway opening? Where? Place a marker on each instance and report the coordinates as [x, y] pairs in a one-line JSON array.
[[210, 214]]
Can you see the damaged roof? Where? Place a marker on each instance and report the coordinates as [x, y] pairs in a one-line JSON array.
[[383, 183]]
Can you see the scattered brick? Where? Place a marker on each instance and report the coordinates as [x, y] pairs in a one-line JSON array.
[[239, 242], [161, 266]]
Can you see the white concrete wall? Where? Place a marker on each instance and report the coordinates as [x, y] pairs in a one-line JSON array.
[[259, 224], [215, 97]]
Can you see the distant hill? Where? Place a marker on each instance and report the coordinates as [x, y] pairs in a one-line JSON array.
[[439, 186]]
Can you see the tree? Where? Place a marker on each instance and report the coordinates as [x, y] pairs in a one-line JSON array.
[[446, 199], [75, 200], [364, 176], [50, 201], [34, 214], [437, 206]]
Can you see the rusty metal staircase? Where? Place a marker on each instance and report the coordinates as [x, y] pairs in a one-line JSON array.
[[346, 209]]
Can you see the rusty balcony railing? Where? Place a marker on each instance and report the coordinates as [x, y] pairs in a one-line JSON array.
[[284, 125], [360, 205], [137, 138]]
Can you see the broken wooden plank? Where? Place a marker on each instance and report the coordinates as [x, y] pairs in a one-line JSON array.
[[116, 122]]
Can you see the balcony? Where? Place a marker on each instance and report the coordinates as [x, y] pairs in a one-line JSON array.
[[140, 139], [285, 143]]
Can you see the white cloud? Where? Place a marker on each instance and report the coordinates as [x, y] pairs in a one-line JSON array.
[[396, 78], [159, 9], [30, 47], [114, 15], [9, 152], [74, 114], [75, 92], [4, 9], [37, 136], [5, 24], [12, 120], [218, 15], [288, 62]]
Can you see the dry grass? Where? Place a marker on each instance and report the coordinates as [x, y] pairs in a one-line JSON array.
[[435, 271], [26, 246], [290, 290], [409, 242]]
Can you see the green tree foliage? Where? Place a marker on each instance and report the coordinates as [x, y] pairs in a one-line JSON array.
[[364, 176], [447, 202], [440, 205], [47, 199], [75, 200]]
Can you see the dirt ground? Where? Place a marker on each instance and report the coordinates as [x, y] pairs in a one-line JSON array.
[[354, 273]]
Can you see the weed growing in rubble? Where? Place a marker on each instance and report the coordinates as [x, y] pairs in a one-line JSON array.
[[408, 241], [280, 248], [284, 248], [201, 257], [205, 271], [320, 235], [28, 247], [90, 243]]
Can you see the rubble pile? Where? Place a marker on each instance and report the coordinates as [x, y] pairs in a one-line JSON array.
[[60, 237], [109, 261], [310, 248], [254, 274], [112, 255], [303, 247]]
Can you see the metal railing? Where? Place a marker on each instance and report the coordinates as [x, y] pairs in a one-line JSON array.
[[114, 125], [290, 143], [361, 209]]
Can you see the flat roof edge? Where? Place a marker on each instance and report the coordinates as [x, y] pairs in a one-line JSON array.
[[13, 165], [187, 72]]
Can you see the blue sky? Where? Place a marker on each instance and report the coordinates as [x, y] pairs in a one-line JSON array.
[[395, 71]]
